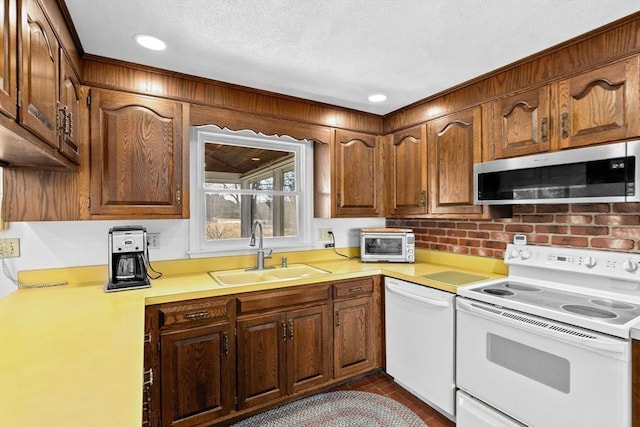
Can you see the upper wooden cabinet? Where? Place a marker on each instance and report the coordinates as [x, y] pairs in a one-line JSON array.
[[518, 125], [139, 156], [407, 181], [599, 106], [357, 174], [69, 109], [39, 74], [348, 176], [8, 59], [454, 146]]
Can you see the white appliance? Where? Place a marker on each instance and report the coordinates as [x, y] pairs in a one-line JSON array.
[[387, 245], [549, 345], [472, 412], [420, 328]]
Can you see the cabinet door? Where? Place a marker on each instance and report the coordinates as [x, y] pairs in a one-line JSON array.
[[308, 348], [357, 175], [262, 344], [8, 76], [408, 169], [197, 380], [600, 106], [39, 74], [454, 146], [519, 124], [70, 98], [354, 350], [136, 156]]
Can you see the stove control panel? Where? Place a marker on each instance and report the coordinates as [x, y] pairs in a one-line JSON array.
[[616, 265]]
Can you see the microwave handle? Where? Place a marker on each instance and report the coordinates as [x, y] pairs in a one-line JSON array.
[[429, 301]]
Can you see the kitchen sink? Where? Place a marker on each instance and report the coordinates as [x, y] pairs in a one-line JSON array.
[[241, 277]]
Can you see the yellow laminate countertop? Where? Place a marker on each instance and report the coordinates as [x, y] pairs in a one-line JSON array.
[[73, 355]]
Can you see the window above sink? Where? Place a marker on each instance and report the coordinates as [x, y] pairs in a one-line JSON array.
[[238, 177]]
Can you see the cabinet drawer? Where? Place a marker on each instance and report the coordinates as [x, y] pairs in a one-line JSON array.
[[193, 311], [353, 288], [269, 300]]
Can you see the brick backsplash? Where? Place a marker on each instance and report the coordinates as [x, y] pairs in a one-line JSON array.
[[604, 226]]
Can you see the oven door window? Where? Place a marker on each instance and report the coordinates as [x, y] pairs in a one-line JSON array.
[[383, 245], [538, 365]]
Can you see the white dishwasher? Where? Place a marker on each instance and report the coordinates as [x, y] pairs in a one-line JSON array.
[[420, 328]]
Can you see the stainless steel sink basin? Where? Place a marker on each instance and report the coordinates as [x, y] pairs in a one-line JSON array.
[[241, 277]]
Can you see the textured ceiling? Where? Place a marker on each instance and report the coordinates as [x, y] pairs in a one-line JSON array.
[[338, 51]]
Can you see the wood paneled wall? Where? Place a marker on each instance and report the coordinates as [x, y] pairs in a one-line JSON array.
[[106, 73]]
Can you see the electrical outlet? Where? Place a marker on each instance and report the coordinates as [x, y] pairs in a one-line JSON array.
[[10, 248], [153, 240], [323, 234]]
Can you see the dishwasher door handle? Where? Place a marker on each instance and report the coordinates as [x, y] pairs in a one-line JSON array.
[[429, 301]]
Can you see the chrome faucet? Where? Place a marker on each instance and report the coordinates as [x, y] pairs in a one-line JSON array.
[[260, 255]]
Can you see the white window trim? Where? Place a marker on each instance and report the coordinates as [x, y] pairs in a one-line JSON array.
[[199, 247]]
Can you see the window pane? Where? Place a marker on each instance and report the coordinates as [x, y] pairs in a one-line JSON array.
[[262, 184], [289, 180], [222, 216], [230, 216], [290, 216]]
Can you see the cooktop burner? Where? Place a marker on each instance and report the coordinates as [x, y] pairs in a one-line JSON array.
[[607, 310]]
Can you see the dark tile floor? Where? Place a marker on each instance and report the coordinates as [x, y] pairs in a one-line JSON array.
[[381, 383]]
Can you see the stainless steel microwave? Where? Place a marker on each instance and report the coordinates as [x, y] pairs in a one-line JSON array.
[[604, 173], [387, 245]]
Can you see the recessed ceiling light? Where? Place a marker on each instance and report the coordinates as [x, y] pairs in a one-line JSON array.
[[150, 42], [255, 159], [377, 97]]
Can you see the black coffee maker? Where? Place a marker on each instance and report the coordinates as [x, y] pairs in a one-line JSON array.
[[127, 259]]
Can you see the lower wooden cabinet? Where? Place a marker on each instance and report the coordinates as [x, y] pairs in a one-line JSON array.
[[282, 353], [200, 362], [213, 360], [193, 369], [356, 344]]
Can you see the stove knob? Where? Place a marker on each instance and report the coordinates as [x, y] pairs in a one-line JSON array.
[[630, 266], [525, 254], [514, 253], [590, 262]]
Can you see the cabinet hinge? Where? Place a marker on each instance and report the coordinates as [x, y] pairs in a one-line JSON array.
[[235, 332], [19, 99], [147, 338], [158, 346], [89, 99], [88, 202]]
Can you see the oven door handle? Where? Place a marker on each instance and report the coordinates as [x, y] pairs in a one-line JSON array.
[[429, 301]]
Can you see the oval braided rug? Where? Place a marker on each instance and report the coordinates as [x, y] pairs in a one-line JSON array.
[[338, 409]]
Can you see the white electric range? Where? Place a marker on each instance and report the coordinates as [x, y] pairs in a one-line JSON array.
[[549, 344]]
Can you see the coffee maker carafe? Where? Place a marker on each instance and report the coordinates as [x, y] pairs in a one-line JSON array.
[[127, 258]]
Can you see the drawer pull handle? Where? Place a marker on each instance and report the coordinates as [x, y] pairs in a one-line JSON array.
[[148, 373], [355, 289], [337, 319], [196, 315], [565, 125]]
